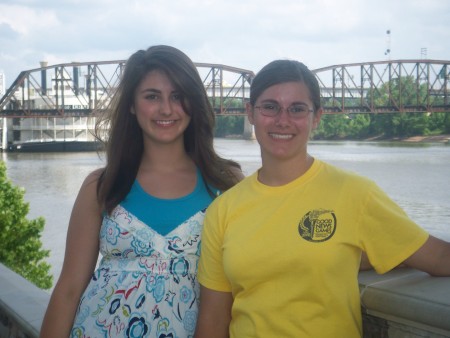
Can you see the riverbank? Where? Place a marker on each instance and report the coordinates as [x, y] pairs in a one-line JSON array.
[[445, 138], [428, 139]]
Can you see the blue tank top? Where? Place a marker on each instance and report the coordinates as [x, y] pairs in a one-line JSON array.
[[164, 215]]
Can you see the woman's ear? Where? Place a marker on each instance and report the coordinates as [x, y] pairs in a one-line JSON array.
[[132, 110], [316, 118]]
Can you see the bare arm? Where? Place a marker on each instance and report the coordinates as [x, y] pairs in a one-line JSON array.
[[79, 262], [433, 257], [214, 315]]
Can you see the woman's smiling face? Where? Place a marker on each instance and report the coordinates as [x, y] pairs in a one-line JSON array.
[[159, 110], [283, 137]]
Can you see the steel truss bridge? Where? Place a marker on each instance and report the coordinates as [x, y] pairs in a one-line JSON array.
[[78, 89]]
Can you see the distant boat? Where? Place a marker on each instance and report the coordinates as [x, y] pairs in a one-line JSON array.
[[55, 146]]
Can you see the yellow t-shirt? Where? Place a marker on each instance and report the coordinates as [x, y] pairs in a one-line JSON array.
[[290, 255]]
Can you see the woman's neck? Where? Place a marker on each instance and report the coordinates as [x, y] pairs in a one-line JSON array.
[[278, 173], [165, 158], [167, 172]]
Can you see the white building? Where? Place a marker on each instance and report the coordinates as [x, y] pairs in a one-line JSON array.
[[20, 130]]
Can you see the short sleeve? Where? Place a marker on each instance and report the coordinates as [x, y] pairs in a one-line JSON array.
[[211, 272], [387, 234]]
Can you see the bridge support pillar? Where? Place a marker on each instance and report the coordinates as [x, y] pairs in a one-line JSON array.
[[249, 132], [6, 132], [3, 140]]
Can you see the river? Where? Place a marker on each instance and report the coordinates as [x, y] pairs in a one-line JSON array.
[[415, 175]]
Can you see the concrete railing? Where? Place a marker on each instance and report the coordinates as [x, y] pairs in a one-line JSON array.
[[405, 303], [22, 306], [402, 303]]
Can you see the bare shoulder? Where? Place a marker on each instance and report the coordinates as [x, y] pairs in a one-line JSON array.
[[88, 190], [92, 178], [94, 175]]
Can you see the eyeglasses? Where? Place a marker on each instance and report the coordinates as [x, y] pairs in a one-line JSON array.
[[295, 111]]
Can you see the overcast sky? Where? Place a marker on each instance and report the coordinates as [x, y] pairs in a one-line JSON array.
[[240, 33]]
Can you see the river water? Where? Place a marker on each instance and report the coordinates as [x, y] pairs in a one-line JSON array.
[[416, 176]]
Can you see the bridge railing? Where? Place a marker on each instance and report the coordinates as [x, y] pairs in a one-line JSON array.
[[79, 88], [401, 86]]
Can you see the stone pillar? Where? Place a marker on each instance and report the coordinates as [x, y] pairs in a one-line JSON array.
[[4, 134], [249, 133], [8, 130]]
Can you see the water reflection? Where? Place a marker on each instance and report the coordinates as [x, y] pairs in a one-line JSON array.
[[415, 175]]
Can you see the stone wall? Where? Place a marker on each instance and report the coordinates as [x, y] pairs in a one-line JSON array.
[[403, 303]]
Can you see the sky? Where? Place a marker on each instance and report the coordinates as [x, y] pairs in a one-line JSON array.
[[240, 33]]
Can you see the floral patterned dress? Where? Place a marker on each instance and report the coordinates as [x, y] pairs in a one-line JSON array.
[[146, 284]]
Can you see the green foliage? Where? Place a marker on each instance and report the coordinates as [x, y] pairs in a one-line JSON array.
[[395, 125], [228, 103], [439, 123], [446, 124], [399, 92], [234, 103], [404, 91], [21, 247], [341, 126], [227, 125], [332, 127]]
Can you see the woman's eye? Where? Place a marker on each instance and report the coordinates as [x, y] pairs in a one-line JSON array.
[[298, 109], [269, 106], [151, 97]]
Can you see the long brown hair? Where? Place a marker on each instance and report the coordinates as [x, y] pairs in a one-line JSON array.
[[124, 143]]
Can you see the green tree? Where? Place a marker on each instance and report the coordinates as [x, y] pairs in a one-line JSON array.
[[21, 247], [332, 126], [229, 125], [439, 123], [404, 91], [446, 123], [359, 125]]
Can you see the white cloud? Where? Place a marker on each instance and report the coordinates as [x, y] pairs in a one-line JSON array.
[[27, 21], [245, 34]]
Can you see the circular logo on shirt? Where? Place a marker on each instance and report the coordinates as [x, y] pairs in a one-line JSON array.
[[317, 225]]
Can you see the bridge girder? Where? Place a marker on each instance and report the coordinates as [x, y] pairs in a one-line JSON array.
[[32, 94], [394, 86], [81, 88]]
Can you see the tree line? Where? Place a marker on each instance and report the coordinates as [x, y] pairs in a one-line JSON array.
[[386, 125], [360, 126], [406, 91]]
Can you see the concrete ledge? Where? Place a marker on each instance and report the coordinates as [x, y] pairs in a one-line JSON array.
[[402, 303], [410, 298], [22, 305]]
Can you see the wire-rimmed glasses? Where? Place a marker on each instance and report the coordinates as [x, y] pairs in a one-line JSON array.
[[295, 111]]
